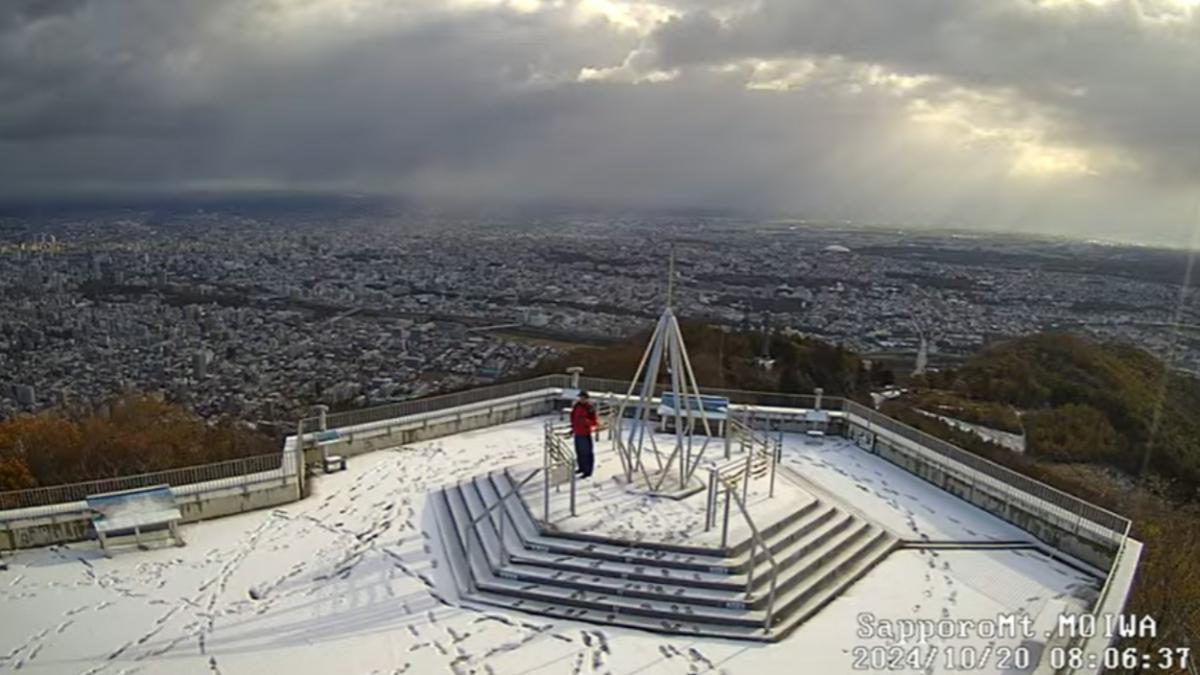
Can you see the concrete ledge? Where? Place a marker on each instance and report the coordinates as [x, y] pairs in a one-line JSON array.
[[363, 438], [1021, 509], [70, 522]]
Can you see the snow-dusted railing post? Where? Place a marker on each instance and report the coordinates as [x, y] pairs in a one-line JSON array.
[[746, 473], [777, 455], [546, 475], [572, 491], [710, 503], [725, 521]]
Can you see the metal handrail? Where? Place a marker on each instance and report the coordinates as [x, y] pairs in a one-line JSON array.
[[431, 403], [473, 527], [760, 450], [556, 454], [72, 492], [758, 541]]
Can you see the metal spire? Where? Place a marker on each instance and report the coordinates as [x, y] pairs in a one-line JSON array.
[[671, 278]]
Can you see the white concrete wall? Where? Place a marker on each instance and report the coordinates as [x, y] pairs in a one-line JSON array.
[[67, 522], [363, 438], [62, 523]]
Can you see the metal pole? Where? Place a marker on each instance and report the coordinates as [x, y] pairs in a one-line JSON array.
[[750, 574], [648, 386], [775, 463], [746, 474], [711, 501], [725, 524], [546, 482], [572, 492], [503, 550]]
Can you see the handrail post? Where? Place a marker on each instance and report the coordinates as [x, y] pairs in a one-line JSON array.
[[546, 476], [750, 573], [572, 493], [503, 548], [725, 523], [775, 456], [710, 501], [746, 474]]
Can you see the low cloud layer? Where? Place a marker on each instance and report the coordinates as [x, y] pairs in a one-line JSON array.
[[1068, 116]]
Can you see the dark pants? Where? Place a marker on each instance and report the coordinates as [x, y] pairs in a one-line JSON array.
[[583, 454]]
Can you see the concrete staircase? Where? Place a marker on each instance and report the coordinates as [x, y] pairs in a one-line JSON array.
[[820, 550]]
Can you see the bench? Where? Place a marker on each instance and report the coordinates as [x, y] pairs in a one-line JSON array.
[[716, 410], [135, 512]]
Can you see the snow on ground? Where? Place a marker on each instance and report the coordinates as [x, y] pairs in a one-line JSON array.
[[909, 506], [346, 581]]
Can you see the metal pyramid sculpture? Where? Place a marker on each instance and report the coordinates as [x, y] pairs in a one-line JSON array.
[[679, 401]]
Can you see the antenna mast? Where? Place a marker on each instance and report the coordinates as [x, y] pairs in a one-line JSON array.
[[671, 277]]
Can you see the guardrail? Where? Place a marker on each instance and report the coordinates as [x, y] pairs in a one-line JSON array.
[[429, 404], [1070, 511], [741, 396], [73, 492], [557, 459]]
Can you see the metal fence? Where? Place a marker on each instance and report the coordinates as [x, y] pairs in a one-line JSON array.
[[741, 396], [430, 404], [73, 492], [1070, 511]]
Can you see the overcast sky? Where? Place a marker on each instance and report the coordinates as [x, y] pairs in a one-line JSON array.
[[1077, 117]]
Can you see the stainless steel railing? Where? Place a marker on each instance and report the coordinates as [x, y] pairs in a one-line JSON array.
[[760, 455], [73, 492], [431, 403], [473, 526], [556, 457], [756, 543]]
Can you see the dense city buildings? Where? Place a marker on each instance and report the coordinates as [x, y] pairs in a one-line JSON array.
[[260, 317]]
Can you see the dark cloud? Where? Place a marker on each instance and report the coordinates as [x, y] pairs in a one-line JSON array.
[[1121, 73], [791, 105]]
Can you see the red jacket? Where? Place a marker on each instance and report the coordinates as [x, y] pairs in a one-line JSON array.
[[583, 419]]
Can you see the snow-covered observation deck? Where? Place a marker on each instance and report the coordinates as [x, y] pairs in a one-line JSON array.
[[365, 573]]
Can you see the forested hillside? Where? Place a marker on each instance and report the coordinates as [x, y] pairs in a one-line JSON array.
[[1081, 401], [729, 359], [130, 435]]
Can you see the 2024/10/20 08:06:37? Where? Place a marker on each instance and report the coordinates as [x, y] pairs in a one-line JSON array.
[[1116, 658]]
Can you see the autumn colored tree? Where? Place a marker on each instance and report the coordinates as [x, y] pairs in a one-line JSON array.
[[131, 434]]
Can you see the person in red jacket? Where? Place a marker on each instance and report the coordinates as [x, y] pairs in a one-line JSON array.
[[583, 423]]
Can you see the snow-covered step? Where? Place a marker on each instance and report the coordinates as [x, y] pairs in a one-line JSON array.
[[484, 550], [819, 550], [777, 534], [796, 558], [835, 560], [470, 593], [554, 610], [807, 534], [785, 526], [640, 580], [629, 553], [802, 602], [650, 586]]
